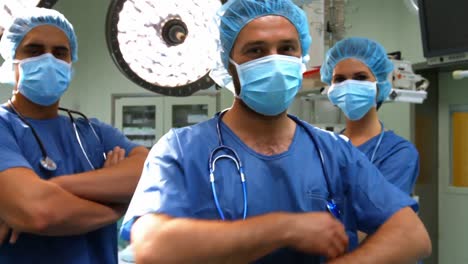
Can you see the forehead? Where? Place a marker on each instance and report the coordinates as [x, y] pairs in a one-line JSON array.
[[267, 28], [350, 66], [46, 35]]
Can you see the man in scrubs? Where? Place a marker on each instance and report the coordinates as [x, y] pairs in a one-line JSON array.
[[60, 197], [254, 161]]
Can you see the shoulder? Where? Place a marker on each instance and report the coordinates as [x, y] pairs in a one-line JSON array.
[[197, 131], [186, 138], [398, 143], [322, 135]]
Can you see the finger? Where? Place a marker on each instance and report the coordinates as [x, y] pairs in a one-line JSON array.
[[115, 156], [4, 230], [14, 237], [339, 243], [342, 236], [108, 161], [121, 154]]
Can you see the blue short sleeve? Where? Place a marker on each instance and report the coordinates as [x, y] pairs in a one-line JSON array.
[[401, 168], [162, 188], [10, 151], [373, 198]]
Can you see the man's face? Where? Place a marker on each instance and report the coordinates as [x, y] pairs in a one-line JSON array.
[[44, 39], [262, 37]]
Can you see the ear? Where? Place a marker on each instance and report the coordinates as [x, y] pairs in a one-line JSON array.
[[235, 78]]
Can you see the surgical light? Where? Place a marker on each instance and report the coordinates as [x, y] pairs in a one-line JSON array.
[[167, 47], [9, 8]]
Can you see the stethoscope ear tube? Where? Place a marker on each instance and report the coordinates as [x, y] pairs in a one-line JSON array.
[[46, 162]]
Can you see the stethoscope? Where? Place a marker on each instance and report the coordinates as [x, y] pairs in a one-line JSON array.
[[331, 205], [382, 132], [46, 162]]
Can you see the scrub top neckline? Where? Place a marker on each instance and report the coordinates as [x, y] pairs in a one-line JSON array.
[[225, 128], [33, 120], [374, 138]]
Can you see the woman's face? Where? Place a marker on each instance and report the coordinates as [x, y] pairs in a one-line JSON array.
[[352, 69]]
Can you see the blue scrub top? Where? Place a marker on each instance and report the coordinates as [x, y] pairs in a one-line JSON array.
[[175, 181], [396, 158], [18, 148]]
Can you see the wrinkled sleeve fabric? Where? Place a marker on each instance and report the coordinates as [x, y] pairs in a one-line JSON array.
[[162, 186], [373, 199], [401, 167], [10, 151]]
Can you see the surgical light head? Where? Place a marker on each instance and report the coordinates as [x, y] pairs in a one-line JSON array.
[[235, 14], [30, 19], [371, 53]]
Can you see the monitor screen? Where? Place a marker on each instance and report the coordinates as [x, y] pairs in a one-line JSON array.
[[444, 27]]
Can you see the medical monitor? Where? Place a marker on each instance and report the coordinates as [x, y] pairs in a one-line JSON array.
[[444, 30]]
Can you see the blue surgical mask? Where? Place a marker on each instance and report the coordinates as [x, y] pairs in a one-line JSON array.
[[354, 98], [269, 84], [43, 79]]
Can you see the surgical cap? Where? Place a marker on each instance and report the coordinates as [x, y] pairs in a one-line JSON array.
[[371, 53], [30, 19], [235, 14]]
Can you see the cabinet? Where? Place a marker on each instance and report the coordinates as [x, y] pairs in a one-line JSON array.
[[145, 119]]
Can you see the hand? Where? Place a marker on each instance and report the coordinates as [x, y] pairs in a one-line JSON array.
[[319, 233], [114, 157], [5, 230]]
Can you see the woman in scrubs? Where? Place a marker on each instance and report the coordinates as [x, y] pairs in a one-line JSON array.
[[357, 70]]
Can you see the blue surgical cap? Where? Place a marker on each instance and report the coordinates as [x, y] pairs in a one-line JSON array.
[[238, 13], [371, 53], [30, 19]]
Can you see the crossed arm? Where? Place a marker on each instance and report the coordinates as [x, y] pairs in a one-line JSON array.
[[72, 204], [401, 239]]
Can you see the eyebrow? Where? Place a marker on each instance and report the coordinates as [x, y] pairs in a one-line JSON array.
[[37, 45], [361, 72], [261, 42]]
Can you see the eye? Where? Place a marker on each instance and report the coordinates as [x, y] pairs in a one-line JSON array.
[[361, 77], [61, 53], [338, 79], [34, 51], [254, 51], [288, 50]]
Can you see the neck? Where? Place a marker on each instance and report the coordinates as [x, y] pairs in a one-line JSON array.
[[29, 109], [264, 134], [360, 131]]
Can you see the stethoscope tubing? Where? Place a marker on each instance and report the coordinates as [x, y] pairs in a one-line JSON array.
[[331, 205], [46, 162]]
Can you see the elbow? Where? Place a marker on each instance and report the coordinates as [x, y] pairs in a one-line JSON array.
[[423, 240], [40, 221], [144, 253], [426, 245], [37, 218]]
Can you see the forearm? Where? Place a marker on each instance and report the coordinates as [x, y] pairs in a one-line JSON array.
[[155, 239], [57, 213], [114, 184], [402, 239]]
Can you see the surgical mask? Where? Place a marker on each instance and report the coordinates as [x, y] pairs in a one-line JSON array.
[[269, 84], [43, 79], [354, 98]]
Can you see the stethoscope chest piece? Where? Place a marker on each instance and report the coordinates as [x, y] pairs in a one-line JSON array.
[[48, 164]]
